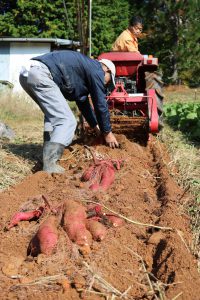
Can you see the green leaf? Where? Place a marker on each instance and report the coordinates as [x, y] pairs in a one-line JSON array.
[[191, 116]]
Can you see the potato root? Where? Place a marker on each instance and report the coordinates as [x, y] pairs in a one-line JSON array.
[[102, 173], [25, 216], [88, 173], [115, 221], [46, 238], [74, 223], [97, 229], [107, 177], [78, 233], [94, 187], [94, 210], [74, 211]]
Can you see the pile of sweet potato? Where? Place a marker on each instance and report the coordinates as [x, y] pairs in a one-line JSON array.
[[101, 173], [81, 224]]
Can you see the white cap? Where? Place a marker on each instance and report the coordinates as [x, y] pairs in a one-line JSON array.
[[109, 64]]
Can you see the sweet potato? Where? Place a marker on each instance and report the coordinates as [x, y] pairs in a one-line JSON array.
[[78, 233], [116, 221], [74, 223], [94, 187], [95, 179], [92, 174], [74, 211], [107, 177], [46, 238], [88, 173], [102, 174], [97, 229], [117, 163], [94, 210], [25, 216]]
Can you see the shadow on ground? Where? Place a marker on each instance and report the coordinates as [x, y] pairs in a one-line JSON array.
[[187, 134], [32, 152]]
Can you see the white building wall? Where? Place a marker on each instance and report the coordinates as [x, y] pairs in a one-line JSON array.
[[20, 53], [4, 61]]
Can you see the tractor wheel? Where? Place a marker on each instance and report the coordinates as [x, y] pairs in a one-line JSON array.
[[154, 81]]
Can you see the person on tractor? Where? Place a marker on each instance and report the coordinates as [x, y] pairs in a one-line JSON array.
[[52, 78], [128, 39]]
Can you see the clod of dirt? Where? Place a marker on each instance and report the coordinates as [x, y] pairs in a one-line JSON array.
[[11, 267], [155, 238], [25, 280], [85, 250], [79, 281], [65, 284], [40, 258]]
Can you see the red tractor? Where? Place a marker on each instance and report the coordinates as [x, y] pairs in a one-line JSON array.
[[136, 103]]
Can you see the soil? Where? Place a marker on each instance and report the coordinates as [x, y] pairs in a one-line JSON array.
[[133, 261]]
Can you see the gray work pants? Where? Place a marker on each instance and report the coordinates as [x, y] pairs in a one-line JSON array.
[[58, 117]]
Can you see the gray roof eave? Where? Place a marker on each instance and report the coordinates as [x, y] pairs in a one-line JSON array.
[[42, 40]]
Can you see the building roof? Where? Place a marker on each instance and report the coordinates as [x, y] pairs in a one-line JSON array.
[[56, 41]]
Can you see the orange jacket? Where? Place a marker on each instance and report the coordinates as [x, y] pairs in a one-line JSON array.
[[126, 41]]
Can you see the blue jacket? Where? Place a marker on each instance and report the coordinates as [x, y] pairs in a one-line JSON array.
[[78, 76]]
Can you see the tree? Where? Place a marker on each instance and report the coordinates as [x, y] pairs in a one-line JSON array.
[[37, 19], [109, 19], [172, 28], [65, 19], [189, 50], [171, 37]]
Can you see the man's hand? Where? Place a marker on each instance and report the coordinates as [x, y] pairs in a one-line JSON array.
[[111, 140]]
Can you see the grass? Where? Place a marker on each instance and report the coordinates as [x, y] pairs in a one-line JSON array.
[[185, 153], [18, 107], [185, 156], [183, 94], [12, 169], [17, 157]]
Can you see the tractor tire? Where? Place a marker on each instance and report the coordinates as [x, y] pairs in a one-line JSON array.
[[154, 81]]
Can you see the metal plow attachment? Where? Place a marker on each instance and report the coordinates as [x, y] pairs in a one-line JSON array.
[[135, 128]]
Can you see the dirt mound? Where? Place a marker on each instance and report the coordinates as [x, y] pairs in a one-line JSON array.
[[134, 261]]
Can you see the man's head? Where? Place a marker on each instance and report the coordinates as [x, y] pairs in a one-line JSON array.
[[136, 25], [109, 69]]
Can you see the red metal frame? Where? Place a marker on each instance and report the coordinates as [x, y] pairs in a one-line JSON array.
[[121, 100], [145, 103], [128, 64], [153, 111]]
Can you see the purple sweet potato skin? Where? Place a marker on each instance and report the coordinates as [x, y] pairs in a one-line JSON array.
[[75, 223], [108, 177], [101, 174], [115, 220], [74, 211], [25, 216], [88, 173], [94, 187], [46, 238], [97, 229]]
